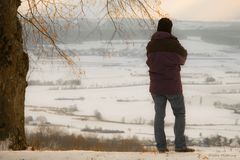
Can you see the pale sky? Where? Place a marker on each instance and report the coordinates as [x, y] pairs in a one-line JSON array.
[[203, 10], [197, 10]]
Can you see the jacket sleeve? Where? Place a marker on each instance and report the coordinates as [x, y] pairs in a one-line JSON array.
[[182, 53], [182, 60]]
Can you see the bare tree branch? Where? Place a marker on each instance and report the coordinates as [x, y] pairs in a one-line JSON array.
[[44, 16]]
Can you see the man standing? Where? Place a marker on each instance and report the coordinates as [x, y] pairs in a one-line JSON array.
[[165, 56]]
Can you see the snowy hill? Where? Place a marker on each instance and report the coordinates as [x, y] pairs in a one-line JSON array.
[[200, 154]]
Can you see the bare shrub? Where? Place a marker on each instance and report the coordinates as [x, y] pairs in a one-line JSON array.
[[98, 115], [210, 79], [56, 139], [28, 119], [151, 123], [73, 108], [70, 109], [139, 120], [100, 130], [41, 119]]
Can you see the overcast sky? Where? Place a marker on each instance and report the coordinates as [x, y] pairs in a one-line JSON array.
[[203, 10]]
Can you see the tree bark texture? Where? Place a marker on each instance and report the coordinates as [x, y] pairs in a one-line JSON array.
[[13, 70]]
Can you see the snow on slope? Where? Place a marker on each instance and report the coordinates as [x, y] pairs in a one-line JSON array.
[[117, 86], [200, 154]]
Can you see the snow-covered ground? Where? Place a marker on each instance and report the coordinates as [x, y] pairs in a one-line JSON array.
[[115, 83], [200, 154]]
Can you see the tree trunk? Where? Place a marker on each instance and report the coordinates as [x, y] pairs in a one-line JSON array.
[[13, 71]]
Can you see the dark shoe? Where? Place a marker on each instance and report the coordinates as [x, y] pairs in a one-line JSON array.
[[162, 150], [184, 150]]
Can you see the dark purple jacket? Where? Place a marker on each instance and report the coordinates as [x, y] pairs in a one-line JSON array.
[[165, 55]]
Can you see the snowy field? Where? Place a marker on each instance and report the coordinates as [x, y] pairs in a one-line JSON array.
[[200, 154], [113, 91]]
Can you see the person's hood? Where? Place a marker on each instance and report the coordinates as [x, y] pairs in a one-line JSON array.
[[162, 35]]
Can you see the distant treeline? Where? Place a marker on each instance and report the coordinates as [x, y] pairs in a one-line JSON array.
[[74, 82], [91, 30]]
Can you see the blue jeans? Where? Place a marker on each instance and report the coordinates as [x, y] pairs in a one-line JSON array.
[[178, 107]]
